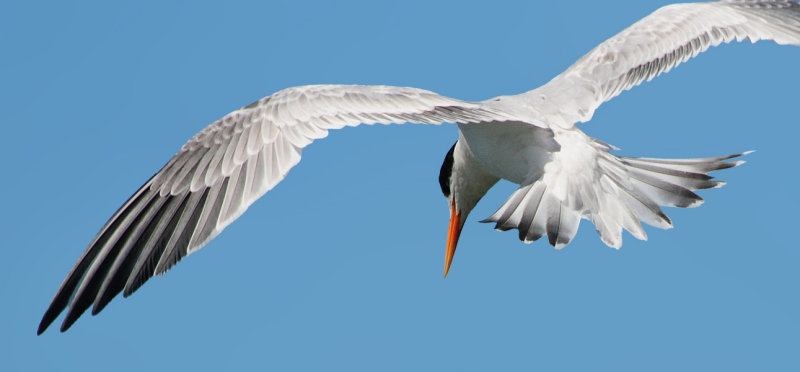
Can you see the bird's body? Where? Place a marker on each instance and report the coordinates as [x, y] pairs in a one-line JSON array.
[[529, 139], [509, 150]]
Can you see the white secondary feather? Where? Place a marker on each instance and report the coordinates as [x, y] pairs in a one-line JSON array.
[[656, 44], [256, 146], [530, 139]]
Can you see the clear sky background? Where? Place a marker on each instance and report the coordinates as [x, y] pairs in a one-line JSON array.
[[340, 266]]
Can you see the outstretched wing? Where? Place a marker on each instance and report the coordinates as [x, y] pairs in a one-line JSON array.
[[656, 44], [221, 171]]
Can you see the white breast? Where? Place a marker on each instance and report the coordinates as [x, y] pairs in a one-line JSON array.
[[510, 150]]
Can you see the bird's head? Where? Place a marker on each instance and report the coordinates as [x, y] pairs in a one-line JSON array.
[[463, 183]]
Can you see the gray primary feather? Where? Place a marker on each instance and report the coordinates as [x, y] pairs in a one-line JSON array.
[[221, 171]]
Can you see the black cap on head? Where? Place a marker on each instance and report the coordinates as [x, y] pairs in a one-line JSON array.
[[446, 171]]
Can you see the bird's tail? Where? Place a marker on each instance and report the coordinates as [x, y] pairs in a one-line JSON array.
[[613, 192]]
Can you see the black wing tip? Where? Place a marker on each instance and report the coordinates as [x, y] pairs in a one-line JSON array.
[[135, 285], [49, 317], [43, 327], [99, 306], [70, 319], [103, 300]]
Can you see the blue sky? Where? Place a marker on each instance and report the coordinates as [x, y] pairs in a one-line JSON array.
[[340, 266]]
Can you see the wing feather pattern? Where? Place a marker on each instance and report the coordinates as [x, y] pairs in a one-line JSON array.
[[584, 180], [223, 169], [666, 38]]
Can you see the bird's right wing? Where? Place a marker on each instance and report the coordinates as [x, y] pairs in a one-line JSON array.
[[655, 44], [223, 169]]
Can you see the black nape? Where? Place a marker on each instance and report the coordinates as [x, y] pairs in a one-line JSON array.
[[446, 171]]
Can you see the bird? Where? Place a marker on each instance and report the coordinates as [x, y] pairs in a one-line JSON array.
[[530, 139]]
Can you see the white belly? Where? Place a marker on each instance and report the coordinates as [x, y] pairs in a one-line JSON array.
[[513, 151]]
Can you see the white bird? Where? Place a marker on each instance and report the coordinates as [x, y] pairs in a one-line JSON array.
[[529, 139]]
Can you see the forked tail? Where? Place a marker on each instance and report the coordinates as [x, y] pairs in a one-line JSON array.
[[611, 191]]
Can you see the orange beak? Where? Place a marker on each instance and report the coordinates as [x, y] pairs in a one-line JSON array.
[[453, 233]]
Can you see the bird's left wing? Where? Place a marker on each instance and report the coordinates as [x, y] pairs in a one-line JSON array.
[[656, 44], [223, 169]]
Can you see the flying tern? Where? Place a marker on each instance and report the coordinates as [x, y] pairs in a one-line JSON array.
[[529, 139]]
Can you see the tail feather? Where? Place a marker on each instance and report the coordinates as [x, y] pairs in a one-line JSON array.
[[696, 165], [664, 193], [613, 192]]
